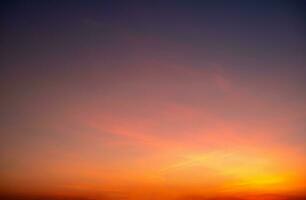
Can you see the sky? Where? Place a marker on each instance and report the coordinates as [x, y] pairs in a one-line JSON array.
[[141, 100]]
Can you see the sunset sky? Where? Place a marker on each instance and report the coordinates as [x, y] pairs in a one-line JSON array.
[[153, 100]]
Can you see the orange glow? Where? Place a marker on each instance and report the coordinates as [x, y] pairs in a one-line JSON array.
[[170, 149]]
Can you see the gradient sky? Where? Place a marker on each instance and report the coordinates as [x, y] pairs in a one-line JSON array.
[[162, 100]]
